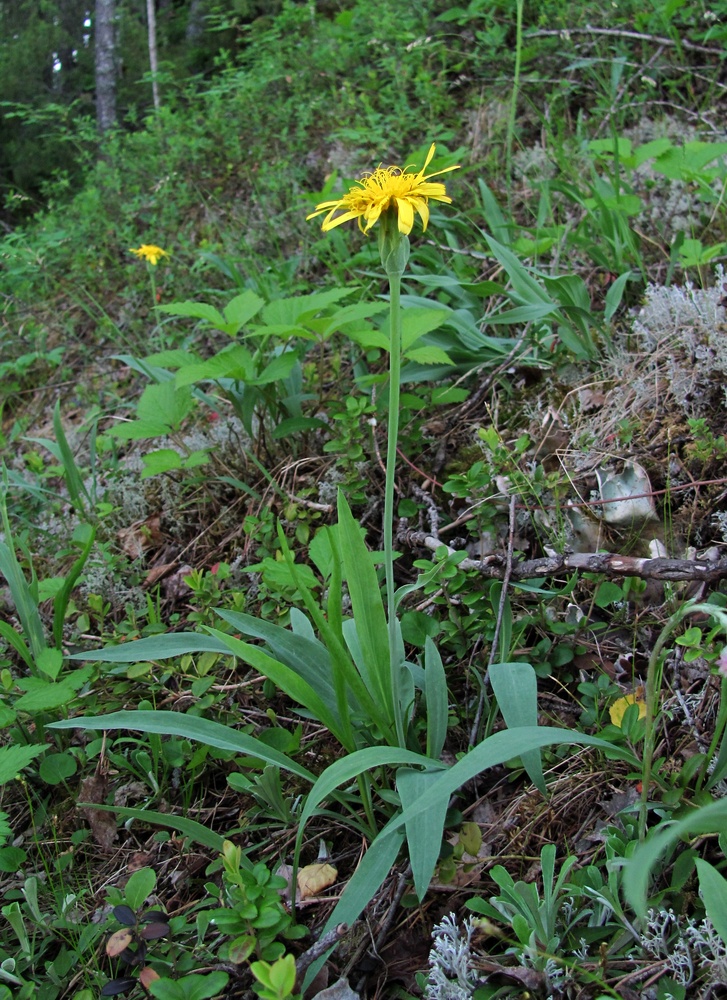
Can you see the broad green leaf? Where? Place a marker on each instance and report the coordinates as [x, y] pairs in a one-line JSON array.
[[352, 314], [525, 286], [415, 323], [161, 460], [139, 887], [56, 767], [190, 727], [279, 368], [308, 657], [515, 687], [44, 696], [14, 758], [49, 662], [176, 358], [293, 309], [495, 750], [424, 839], [234, 362], [711, 818], [195, 310], [140, 430], [242, 308], [523, 314], [155, 647], [368, 338], [713, 890], [322, 706], [367, 606], [435, 690], [430, 355]]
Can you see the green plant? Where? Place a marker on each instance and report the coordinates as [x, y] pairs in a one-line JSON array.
[[276, 981], [50, 939], [352, 676], [253, 914]]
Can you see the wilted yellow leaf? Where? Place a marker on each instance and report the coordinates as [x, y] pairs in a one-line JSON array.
[[148, 976], [618, 709], [118, 942], [313, 879]]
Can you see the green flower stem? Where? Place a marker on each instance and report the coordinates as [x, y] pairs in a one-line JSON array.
[[152, 281], [393, 437], [394, 250]]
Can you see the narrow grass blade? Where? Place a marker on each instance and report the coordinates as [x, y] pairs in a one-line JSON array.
[[60, 602], [74, 481], [22, 596], [16, 641]]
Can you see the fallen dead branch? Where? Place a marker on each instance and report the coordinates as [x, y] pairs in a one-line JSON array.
[[608, 563]]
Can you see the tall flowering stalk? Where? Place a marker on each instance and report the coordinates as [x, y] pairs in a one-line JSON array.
[[391, 196], [152, 254]]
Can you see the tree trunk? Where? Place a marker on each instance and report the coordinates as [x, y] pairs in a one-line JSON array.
[[105, 65], [195, 23], [153, 62]]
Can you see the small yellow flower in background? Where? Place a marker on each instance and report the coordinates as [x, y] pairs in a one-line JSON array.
[[147, 251], [618, 709], [387, 187]]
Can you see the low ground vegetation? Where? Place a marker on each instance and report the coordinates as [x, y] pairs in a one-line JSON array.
[[215, 768]]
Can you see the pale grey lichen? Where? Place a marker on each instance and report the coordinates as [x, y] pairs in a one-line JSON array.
[[451, 976], [683, 328], [685, 946]]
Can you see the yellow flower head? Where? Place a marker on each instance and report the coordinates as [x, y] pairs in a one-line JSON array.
[[618, 708], [147, 251], [387, 187]]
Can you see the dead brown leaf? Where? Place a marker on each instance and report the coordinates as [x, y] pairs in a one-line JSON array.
[[103, 824], [313, 879], [157, 573], [141, 536]]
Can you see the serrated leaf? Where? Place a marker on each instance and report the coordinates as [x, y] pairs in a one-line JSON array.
[[430, 355], [195, 310], [14, 758], [42, 696], [279, 368], [242, 308], [235, 362]]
